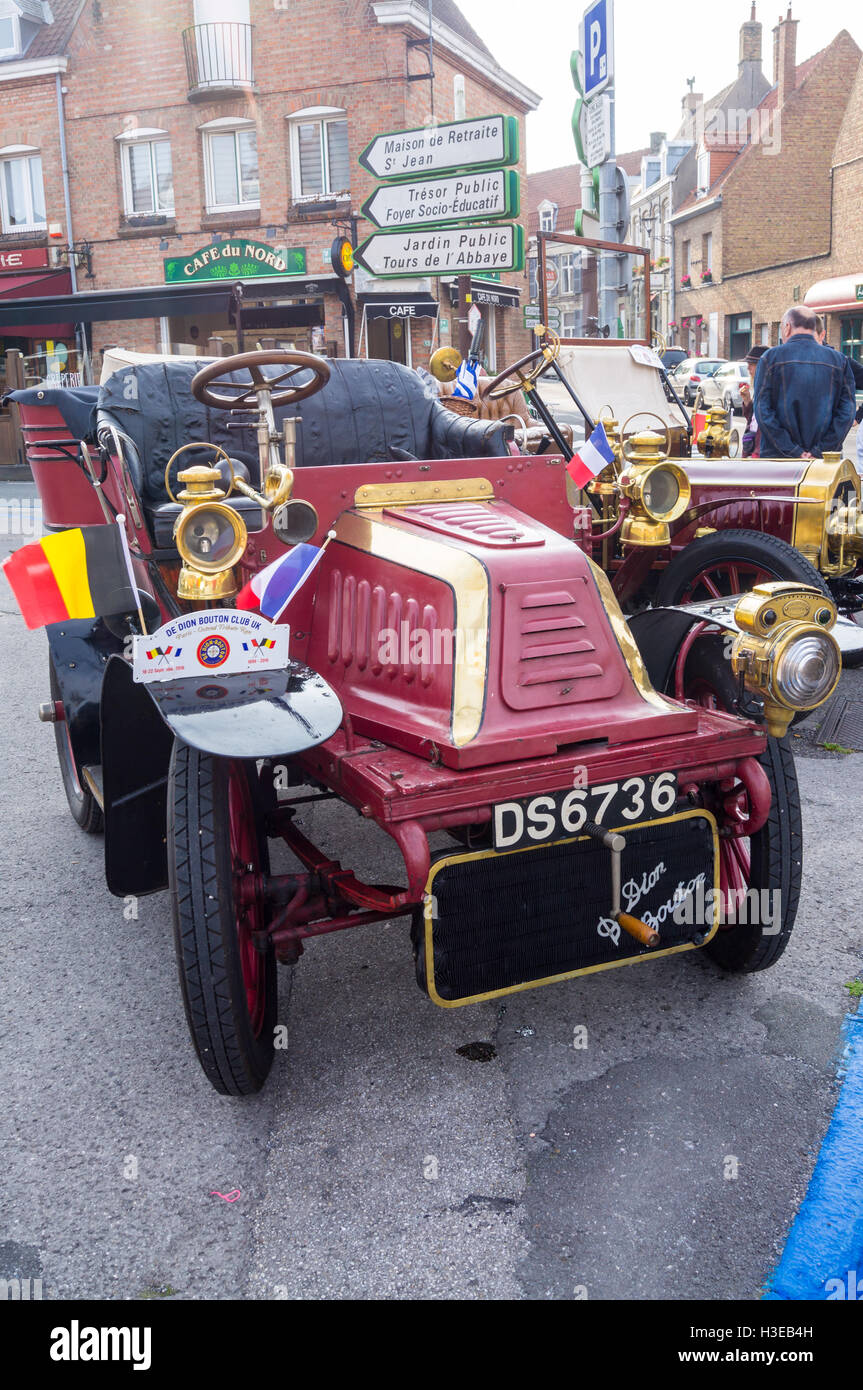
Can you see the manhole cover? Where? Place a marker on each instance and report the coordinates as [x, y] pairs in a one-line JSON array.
[[843, 724]]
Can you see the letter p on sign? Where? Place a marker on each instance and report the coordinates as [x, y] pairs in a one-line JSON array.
[[598, 46]]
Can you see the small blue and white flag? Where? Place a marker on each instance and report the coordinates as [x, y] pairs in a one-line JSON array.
[[466, 381], [594, 454]]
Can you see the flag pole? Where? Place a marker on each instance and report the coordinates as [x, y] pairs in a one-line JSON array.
[[127, 555]]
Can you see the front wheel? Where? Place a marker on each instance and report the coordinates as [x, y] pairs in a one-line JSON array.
[[759, 875], [732, 562], [216, 850]]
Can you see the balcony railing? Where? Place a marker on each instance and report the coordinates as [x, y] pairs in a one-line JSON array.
[[218, 58]]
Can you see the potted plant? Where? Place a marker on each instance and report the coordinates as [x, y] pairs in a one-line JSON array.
[[707, 276], [685, 282]]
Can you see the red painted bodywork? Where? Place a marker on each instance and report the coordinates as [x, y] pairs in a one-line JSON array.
[[67, 496]]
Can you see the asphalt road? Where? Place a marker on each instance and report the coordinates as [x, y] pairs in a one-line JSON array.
[[380, 1162]]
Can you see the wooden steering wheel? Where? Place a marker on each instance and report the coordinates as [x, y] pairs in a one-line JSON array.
[[247, 395], [541, 357]]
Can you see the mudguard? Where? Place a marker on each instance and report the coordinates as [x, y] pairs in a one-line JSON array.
[[136, 753], [249, 714], [80, 651]]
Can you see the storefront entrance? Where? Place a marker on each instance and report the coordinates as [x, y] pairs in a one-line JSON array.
[[388, 339], [852, 337]]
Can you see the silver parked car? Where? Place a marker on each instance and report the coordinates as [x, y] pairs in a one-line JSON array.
[[723, 388], [691, 374]]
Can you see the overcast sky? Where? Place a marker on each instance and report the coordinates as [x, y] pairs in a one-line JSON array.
[[657, 47]]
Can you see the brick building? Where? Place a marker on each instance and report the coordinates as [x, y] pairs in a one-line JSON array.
[[776, 207], [215, 141]]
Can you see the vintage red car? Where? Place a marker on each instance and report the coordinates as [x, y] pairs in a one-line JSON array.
[[456, 661]]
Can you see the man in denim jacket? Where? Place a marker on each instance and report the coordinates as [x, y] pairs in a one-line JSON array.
[[804, 392]]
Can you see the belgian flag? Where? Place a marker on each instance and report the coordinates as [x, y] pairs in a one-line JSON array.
[[85, 573]]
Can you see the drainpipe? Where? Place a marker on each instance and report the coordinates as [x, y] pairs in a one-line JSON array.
[[65, 166]]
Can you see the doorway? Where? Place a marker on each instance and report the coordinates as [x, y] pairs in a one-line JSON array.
[[387, 339]]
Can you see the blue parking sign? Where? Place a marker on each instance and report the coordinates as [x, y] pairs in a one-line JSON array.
[[598, 46]]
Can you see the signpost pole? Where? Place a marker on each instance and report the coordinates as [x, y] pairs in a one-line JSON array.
[[464, 303]]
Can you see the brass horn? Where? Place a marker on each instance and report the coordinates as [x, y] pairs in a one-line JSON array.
[[444, 363]]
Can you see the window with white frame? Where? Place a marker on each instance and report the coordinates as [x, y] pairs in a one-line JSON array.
[[570, 324], [567, 275], [148, 182], [10, 31], [231, 165], [320, 166], [703, 176], [547, 216], [22, 195]]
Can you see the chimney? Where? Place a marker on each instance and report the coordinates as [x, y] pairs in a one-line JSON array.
[[656, 139], [750, 42], [785, 57], [692, 104]]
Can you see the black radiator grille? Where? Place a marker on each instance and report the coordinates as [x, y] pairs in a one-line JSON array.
[[505, 920]]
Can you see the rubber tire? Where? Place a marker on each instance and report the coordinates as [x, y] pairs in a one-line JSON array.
[[86, 811], [727, 402], [769, 552], [205, 935], [776, 851]]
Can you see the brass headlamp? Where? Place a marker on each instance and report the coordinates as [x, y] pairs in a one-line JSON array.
[[210, 536], [658, 491], [785, 650]]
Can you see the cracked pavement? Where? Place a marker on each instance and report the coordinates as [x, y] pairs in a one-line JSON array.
[[380, 1161]]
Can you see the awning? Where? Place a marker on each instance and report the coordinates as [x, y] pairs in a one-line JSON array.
[[841, 294], [97, 306], [399, 306], [22, 290], [30, 285]]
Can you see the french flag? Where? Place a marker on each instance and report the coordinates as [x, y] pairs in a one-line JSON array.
[[272, 588], [595, 454]]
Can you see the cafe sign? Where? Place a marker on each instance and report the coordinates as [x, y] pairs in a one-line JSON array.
[[235, 259]]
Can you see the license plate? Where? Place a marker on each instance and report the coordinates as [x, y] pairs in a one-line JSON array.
[[559, 815]]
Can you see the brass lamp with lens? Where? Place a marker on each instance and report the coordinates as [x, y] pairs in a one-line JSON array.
[[210, 536], [785, 650], [658, 491]]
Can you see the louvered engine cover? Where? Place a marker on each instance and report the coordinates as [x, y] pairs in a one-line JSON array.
[[470, 633]]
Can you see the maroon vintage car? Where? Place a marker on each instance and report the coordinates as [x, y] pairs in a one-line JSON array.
[[456, 661]]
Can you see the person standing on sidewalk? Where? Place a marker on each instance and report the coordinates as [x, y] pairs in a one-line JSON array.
[[804, 392], [751, 440], [857, 373]]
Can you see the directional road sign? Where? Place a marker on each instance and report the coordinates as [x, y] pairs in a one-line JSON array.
[[458, 198], [449, 251], [483, 143]]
